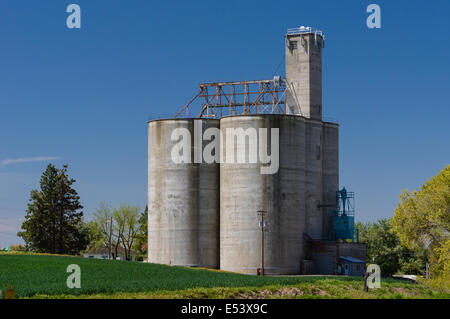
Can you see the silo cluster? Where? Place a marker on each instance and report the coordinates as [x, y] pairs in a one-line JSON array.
[[206, 214]]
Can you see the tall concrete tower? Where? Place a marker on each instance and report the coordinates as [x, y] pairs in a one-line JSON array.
[[304, 72]]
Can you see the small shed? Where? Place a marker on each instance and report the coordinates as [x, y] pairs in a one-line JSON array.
[[351, 266]]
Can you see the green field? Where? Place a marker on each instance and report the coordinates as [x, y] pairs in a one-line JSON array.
[[43, 276]]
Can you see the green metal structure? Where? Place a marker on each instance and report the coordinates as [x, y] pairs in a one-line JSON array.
[[344, 217]]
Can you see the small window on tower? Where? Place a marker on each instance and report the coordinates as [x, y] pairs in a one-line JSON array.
[[318, 152], [292, 45]]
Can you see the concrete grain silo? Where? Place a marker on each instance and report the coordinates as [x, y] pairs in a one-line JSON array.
[[259, 204], [244, 191], [183, 198]]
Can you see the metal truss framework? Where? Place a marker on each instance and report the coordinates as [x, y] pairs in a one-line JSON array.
[[241, 97]]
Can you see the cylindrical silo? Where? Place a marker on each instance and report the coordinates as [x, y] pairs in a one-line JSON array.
[[330, 177], [314, 217], [244, 190], [183, 196]]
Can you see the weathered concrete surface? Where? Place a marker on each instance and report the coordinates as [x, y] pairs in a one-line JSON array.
[[330, 173], [183, 201], [244, 191], [184, 198], [304, 75], [313, 188]]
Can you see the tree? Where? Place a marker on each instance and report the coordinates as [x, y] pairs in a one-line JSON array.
[[384, 249], [422, 221], [142, 236], [54, 222], [115, 228], [18, 247], [102, 227], [126, 219]]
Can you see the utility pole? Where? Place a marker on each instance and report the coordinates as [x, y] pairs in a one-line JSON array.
[[263, 226], [110, 237]]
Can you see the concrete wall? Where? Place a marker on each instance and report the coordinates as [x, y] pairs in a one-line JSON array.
[[313, 187], [304, 75], [330, 173], [244, 191], [183, 201]]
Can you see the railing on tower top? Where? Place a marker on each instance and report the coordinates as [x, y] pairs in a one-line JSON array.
[[303, 30]]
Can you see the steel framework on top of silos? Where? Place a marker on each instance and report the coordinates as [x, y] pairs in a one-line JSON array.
[[238, 98]]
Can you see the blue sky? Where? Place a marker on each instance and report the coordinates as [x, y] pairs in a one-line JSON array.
[[83, 97]]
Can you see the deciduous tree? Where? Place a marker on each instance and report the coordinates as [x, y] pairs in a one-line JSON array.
[[126, 218], [422, 221]]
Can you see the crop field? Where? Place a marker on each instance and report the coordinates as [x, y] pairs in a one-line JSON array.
[[44, 276]]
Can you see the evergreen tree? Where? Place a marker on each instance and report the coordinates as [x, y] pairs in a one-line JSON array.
[[54, 222], [142, 235]]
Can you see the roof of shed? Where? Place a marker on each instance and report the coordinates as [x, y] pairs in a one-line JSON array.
[[351, 259]]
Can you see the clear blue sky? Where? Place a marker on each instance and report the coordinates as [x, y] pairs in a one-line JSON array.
[[84, 96]]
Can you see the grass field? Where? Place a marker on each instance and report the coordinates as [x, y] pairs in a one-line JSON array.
[[43, 276]]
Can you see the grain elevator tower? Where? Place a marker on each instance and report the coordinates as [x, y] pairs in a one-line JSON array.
[[206, 213], [304, 72]]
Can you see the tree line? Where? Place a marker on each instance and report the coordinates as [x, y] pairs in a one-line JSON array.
[[119, 228], [418, 234], [55, 224]]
